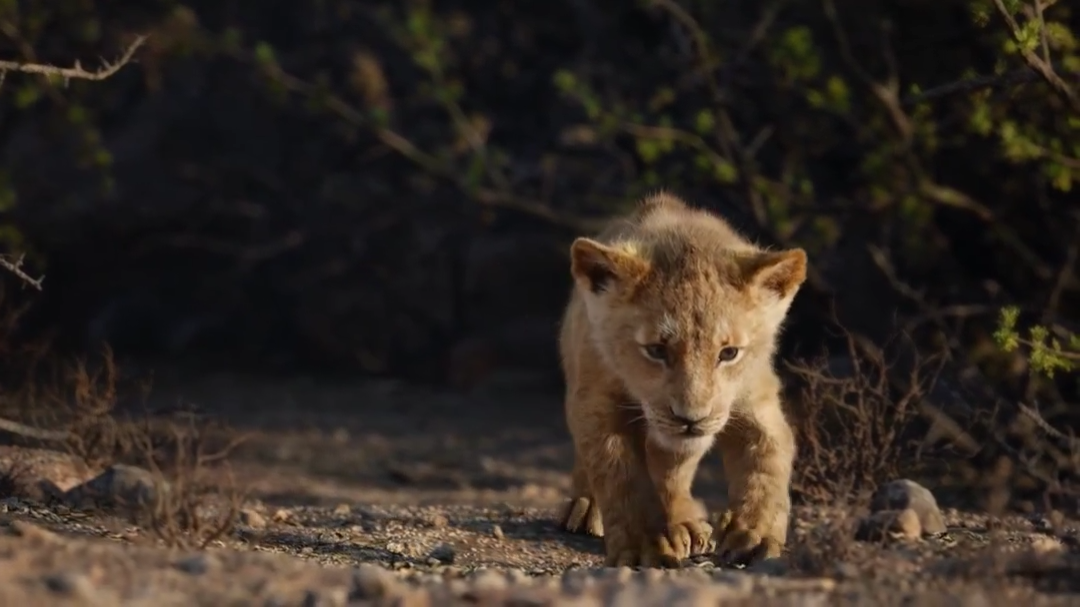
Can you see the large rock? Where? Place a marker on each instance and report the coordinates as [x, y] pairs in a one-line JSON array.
[[906, 494], [119, 486]]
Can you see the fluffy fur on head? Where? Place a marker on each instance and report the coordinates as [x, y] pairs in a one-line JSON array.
[[685, 309]]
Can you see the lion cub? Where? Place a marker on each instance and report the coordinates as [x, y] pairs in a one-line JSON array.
[[667, 346]]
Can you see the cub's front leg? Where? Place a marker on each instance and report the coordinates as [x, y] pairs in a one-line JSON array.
[[625, 502], [581, 513], [758, 449], [621, 501], [672, 474]]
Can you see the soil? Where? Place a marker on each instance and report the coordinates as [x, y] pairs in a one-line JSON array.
[[378, 492]]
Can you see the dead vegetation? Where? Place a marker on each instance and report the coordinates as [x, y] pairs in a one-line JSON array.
[[167, 473], [859, 427], [823, 550], [855, 426], [190, 510]]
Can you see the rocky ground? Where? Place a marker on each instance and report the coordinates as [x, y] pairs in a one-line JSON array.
[[381, 493]]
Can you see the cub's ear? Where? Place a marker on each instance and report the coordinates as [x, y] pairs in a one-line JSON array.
[[597, 267], [780, 273]]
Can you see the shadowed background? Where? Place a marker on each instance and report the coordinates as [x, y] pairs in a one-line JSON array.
[[388, 189]]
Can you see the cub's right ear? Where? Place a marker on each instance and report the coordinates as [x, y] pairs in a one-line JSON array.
[[597, 267]]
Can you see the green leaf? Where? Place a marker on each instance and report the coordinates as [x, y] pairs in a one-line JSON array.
[[565, 81], [648, 149], [725, 172], [1006, 335], [27, 95], [103, 158], [264, 53], [704, 122]]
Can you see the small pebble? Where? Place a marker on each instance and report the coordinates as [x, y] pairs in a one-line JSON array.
[[196, 564], [252, 519], [443, 553], [487, 580], [371, 582], [652, 576], [437, 521], [69, 584], [517, 576], [332, 597]]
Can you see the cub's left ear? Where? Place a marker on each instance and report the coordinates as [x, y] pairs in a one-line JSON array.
[[780, 273]]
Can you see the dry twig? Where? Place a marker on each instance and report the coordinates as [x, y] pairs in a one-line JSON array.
[[493, 198], [76, 71], [1045, 426], [15, 427], [1022, 75], [16, 267]]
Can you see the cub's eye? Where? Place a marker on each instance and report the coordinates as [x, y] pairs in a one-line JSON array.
[[727, 354], [657, 352]]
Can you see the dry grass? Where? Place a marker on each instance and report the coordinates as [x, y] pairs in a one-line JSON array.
[[13, 478], [854, 427], [78, 407], [858, 427], [820, 551], [178, 450], [194, 511]]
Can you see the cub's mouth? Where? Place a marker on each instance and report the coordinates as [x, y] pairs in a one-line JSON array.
[[674, 429]]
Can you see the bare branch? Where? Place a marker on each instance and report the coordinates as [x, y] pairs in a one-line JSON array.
[[15, 267], [67, 73], [1023, 75], [1045, 426], [16, 428], [497, 198], [76, 71]]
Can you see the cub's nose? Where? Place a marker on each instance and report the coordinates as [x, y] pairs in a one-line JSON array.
[[690, 425]]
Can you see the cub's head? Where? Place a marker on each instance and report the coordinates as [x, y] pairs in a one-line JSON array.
[[686, 326]]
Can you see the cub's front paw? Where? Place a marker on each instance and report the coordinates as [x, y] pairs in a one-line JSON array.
[[580, 515], [632, 548], [742, 539], [689, 538], [661, 548]]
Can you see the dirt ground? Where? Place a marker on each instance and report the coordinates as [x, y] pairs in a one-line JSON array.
[[382, 493]]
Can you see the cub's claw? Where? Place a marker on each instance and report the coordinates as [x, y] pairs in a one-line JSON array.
[[690, 538], [580, 515], [642, 552], [740, 543], [665, 549]]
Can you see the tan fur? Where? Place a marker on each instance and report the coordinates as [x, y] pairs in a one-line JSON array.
[[669, 274]]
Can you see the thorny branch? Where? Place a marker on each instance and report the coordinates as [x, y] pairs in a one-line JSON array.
[[1045, 426], [76, 71], [15, 267]]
